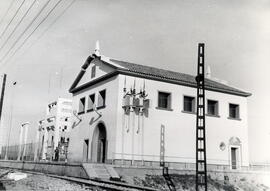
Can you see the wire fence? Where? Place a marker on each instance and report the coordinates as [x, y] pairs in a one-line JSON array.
[[33, 151], [185, 163], [25, 152]]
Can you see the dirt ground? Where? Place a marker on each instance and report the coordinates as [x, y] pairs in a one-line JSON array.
[[187, 183], [39, 182]]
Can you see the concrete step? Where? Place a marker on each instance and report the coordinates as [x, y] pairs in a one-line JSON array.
[[102, 171]]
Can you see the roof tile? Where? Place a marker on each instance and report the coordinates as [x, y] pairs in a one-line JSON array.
[[180, 77]]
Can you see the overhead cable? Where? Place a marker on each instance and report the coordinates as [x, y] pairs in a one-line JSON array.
[[18, 24], [4, 31]]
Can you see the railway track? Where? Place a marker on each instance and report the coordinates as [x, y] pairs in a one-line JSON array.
[[104, 184]]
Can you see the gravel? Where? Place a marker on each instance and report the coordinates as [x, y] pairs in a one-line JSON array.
[[40, 182]]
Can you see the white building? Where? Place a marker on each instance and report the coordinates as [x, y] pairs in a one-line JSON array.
[[55, 127], [109, 129]]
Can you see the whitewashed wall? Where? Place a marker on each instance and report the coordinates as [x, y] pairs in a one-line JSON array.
[[85, 129], [179, 126]]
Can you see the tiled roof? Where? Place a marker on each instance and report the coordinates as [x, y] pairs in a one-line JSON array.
[[184, 79]]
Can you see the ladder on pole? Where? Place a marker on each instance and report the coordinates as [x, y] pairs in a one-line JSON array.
[[165, 169], [201, 168]]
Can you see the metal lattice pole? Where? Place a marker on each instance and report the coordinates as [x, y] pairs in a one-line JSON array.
[[201, 168]]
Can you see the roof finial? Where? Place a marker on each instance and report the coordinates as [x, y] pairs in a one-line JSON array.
[[97, 48]]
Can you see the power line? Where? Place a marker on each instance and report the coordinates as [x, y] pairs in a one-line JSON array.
[[18, 24], [4, 31], [46, 30], [28, 26], [9, 7], [48, 14], [55, 20]]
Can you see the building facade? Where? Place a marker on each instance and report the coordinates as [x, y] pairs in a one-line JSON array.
[[121, 107], [54, 128]]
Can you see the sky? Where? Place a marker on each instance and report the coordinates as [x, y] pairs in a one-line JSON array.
[[163, 34]]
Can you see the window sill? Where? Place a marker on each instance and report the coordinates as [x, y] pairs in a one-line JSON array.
[[101, 107], [210, 115], [237, 119], [165, 109], [189, 112], [89, 110], [81, 112]]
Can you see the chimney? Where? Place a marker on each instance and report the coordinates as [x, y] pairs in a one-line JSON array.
[[97, 53], [208, 72]]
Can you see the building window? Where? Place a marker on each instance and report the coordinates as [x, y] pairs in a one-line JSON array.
[[91, 102], [189, 104], [101, 99], [212, 107], [164, 100], [93, 71], [81, 105], [234, 111]]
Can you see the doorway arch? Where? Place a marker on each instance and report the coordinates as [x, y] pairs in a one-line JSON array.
[[99, 144]]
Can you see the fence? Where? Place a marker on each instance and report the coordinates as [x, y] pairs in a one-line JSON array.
[[185, 163], [27, 151]]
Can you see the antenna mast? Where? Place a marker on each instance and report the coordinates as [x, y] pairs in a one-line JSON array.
[[201, 168]]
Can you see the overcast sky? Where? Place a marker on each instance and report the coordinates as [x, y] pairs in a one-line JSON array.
[[157, 33]]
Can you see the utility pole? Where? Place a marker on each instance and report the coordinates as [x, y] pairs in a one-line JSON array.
[[2, 95], [201, 168], [10, 121]]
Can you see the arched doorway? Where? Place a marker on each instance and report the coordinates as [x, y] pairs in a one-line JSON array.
[[99, 144]]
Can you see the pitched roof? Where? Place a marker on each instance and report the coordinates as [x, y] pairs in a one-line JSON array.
[[182, 78], [128, 68]]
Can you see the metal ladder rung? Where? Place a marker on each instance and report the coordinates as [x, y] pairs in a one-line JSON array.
[[201, 171], [201, 161], [201, 184]]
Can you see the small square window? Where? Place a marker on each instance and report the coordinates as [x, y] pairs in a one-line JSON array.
[[81, 105], [101, 98], [164, 100], [189, 104], [91, 102], [234, 111], [212, 107], [93, 71]]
